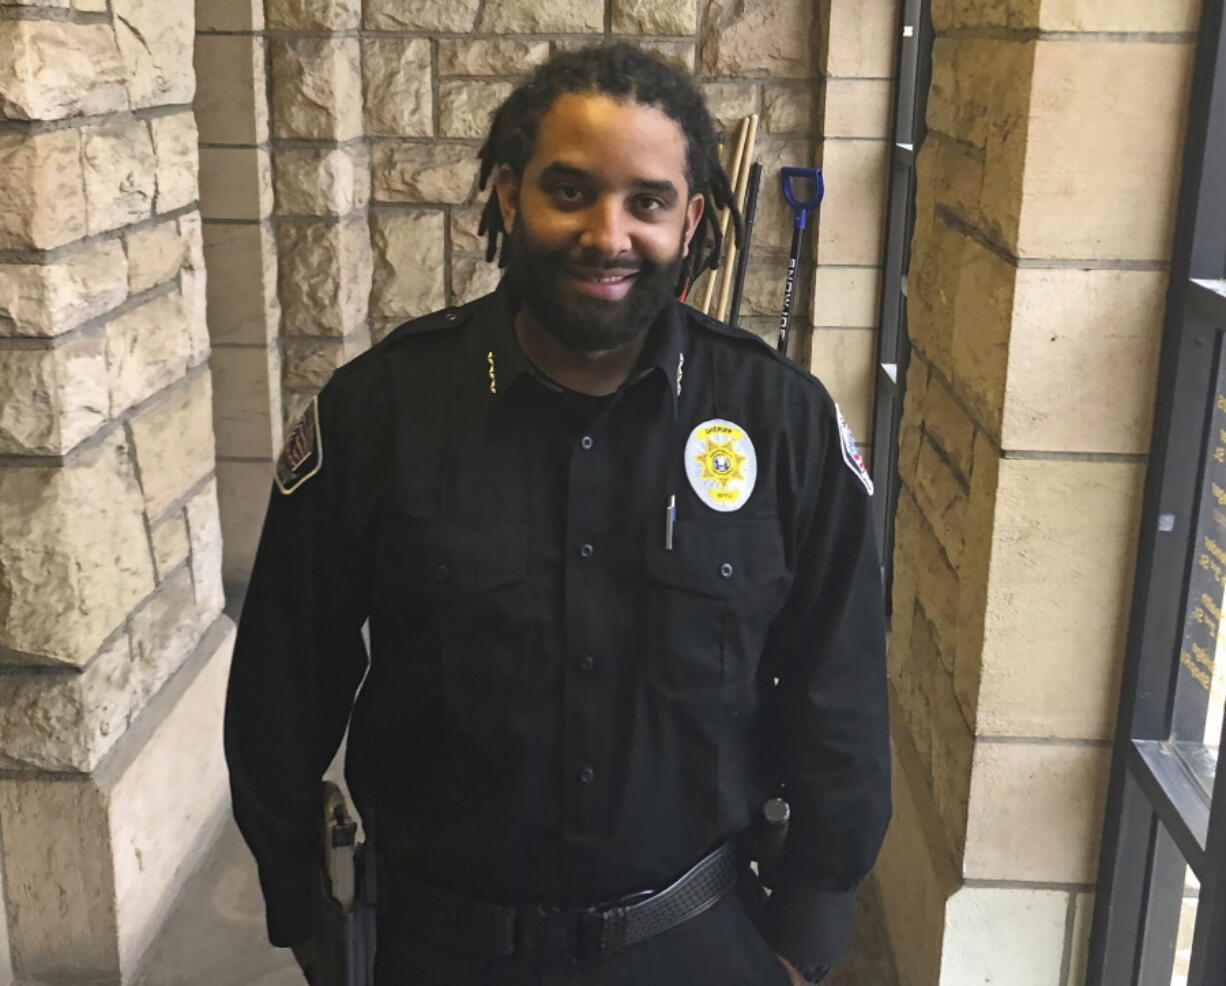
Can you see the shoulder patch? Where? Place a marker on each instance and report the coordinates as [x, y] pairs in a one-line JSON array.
[[851, 452], [303, 453]]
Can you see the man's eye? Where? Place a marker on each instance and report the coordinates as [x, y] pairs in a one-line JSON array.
[[648, 203], [568, 193]]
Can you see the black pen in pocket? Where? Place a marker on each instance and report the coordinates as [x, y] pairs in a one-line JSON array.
[[670, 519]]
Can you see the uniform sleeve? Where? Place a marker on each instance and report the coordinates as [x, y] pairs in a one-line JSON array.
[[298, 660], [827, 649]]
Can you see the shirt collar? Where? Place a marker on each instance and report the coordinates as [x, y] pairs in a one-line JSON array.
[[494, 350], [491, 349], [665, 352]]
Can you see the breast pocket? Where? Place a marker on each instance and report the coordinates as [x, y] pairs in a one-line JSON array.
[[471, 577], [710, 601]]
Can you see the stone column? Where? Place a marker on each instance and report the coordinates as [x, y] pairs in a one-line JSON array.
[[236, 199], [856, 53], [1045, 207], [407, 104], [112, 643], [322, 181]]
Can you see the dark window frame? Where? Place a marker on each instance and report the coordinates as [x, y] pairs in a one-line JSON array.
[[1159, 816], [912, 74]]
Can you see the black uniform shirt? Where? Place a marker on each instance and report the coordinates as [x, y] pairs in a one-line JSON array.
[[560, 706]]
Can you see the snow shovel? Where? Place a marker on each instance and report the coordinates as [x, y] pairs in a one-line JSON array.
[[801, 209]]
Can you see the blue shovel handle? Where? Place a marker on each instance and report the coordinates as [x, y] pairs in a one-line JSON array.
[[802, 209]]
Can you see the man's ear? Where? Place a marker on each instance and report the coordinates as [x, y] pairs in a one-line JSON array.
[[693, 213], [506, 184]]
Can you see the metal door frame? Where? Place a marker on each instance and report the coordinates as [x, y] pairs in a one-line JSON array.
[[1154, 804], [913, 74]]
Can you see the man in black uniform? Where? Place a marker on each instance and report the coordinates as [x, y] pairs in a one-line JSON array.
[[618, 568]]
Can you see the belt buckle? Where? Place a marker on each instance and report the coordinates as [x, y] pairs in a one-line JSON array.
[[552, 934]]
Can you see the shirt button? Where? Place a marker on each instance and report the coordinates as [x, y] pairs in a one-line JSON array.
[[587, 662], [586, 775], [725, 570], [441, 573], [586, 442], [586, 551]]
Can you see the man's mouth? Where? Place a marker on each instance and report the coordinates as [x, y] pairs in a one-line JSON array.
[[612, 286]]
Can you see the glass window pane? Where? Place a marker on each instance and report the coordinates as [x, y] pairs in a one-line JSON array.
[[1170, 917], [1200, 695], [1187, 926]]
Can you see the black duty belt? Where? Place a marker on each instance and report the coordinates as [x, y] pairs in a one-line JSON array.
[[479, 928]]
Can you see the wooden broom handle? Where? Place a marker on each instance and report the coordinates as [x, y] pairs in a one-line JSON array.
[[741, 134], [741, 184]]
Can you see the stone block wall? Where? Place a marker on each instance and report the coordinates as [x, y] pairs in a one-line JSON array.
[[335, 143], [378, 113], [826, 103], [112, 643], [856, 54], [240, 251], [1046, 193]]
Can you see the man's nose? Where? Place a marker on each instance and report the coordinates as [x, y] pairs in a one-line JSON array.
[[606, 230]]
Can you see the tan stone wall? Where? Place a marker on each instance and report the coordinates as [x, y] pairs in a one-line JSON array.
[[240, 252], [856, 55], [110, 582], [1045, 204], [377, 115], [826, 103]]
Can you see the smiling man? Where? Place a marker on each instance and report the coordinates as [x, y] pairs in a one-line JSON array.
[[596, 246], [622, 591]]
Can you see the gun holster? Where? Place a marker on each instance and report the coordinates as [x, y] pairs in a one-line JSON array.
[[344, 908]]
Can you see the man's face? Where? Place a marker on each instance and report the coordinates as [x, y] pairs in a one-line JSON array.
[[600, 220]]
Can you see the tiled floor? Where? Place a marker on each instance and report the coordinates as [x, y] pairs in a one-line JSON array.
[[215, 936]]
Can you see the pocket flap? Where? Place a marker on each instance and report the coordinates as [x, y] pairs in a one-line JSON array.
[[460, 556], [719, 559]]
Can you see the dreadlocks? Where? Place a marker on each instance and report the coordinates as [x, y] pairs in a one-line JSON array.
[[628, 73]]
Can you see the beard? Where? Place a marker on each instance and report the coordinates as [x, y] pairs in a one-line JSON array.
[[538, 276]]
